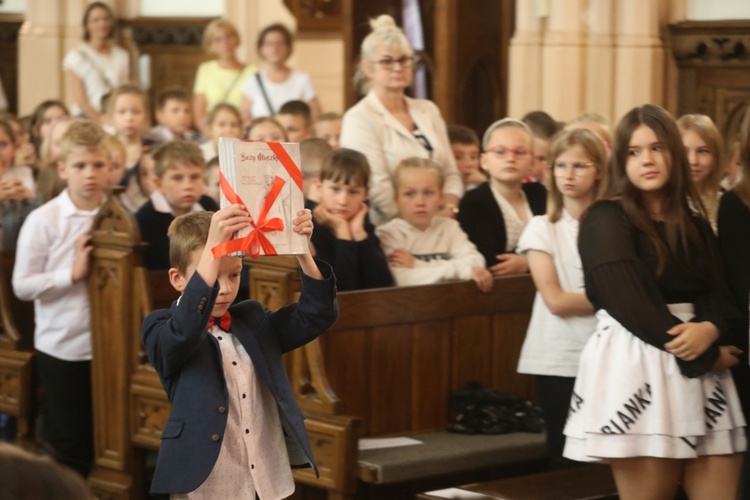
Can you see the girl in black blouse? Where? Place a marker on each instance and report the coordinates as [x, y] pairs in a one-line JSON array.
[[653, 395]]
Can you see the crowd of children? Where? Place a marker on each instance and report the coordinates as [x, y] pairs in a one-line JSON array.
[[642, 202]]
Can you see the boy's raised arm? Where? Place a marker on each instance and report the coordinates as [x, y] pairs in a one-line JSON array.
[[303, 224]]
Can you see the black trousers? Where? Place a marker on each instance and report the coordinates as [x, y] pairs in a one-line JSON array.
[[554, 397], [68, 421]]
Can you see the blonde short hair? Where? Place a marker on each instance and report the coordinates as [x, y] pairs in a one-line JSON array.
[[506, 123], [186, 234], [414, 163], [213, 28], [385, 33], [83, 133], [116, 145], [169, 153]]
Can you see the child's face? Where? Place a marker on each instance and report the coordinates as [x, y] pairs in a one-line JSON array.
[[86, 171], [575, 173], [57, 133], [175, 115], [467, 160], [266, 131], [296, 128], [147, 176], [129, 115], [228, 279], [344, 200], [117, 168], [329, 131], [648, 163], [7, 150], [508, 157], [181, 185], [419, 197], [50, 116], [225, 124], [539, 163], [699, 155]]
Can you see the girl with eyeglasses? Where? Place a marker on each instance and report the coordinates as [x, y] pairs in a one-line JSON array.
[[653, 394], [495, 213], [387, 126], [276, 83], [562, 318]]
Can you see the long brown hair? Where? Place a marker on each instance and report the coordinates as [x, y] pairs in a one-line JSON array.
[[681, 198]]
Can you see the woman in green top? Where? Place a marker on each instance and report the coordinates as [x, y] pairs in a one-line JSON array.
[[220, 79]]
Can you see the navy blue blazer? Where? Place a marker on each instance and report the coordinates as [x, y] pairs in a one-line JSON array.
[[188, 361], [482, 220]]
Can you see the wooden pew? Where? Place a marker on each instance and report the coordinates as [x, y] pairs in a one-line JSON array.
[[388, 366], [17, 379]]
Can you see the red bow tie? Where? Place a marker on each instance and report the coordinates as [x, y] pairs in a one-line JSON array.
[[225, 322]]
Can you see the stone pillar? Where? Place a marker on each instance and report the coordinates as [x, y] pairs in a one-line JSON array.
[[525, 68], [600, 67], [563, 59], [40, 51], [639, 56]]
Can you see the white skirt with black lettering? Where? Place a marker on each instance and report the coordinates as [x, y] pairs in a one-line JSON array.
[[630, 400]]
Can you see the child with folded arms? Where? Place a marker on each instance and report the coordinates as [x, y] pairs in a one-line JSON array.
[[423, 247]]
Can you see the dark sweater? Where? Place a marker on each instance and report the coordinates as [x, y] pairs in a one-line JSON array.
[[154, 225], [619, 268], [482, 220], [357, 264]]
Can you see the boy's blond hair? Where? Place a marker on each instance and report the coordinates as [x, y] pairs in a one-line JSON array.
[[83, 133], [186, 234], [115, 145], [312, 152], [415, 163], [169, 153]]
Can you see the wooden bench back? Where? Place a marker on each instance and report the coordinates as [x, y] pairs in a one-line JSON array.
[[395, 355], [17, 385]]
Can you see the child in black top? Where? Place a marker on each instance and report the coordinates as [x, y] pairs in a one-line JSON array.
[[344, 236], [653, 395]]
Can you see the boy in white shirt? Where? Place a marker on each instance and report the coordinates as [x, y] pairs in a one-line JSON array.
[[52, 263]]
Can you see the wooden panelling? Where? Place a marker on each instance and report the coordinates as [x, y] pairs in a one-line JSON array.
[[713, 60], [422, 343], [10, 25]]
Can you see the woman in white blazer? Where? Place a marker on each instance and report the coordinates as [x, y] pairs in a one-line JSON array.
[[387, 126]]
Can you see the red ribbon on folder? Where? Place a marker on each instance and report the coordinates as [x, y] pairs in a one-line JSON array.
[[253, 242]]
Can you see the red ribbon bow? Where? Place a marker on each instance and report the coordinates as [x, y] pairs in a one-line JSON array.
[[225, 322], [253, 242]]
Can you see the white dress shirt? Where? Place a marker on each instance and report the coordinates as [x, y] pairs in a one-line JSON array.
[[43, 273], [253, 457]]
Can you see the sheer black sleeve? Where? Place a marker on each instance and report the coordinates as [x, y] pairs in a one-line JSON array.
[[734, 244], [619, 281]]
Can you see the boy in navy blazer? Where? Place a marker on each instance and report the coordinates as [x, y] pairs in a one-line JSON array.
[[235, 430]]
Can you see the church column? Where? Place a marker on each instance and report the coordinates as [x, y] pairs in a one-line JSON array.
[[600, 67], [41, 48], [639, 56], [525, 67], [563, 60]]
